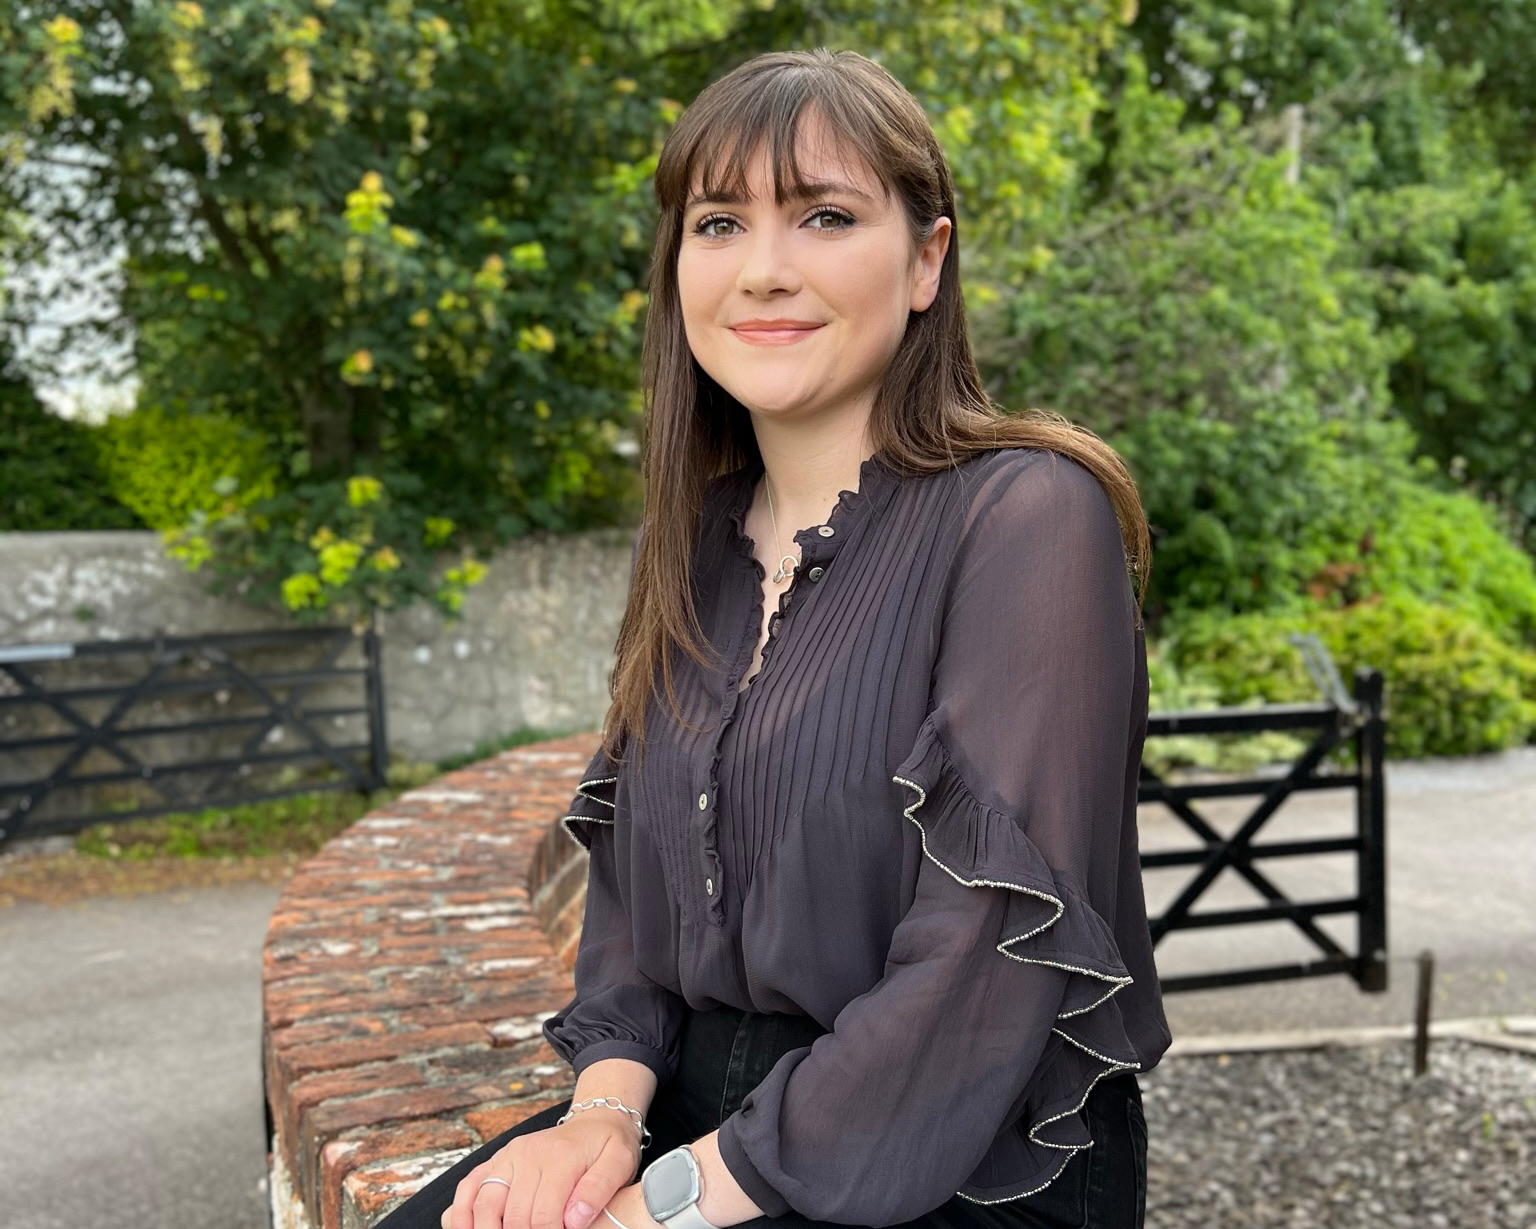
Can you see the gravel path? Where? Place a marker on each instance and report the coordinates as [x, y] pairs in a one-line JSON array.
[[1318, 1139]]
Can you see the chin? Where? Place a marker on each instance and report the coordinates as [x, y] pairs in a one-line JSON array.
[[772, 401]]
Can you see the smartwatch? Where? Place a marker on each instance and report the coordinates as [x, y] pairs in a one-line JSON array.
[[671, 1187]]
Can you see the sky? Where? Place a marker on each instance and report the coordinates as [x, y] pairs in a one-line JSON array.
[[72, 283]]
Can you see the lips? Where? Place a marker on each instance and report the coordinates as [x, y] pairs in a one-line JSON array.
[[774, 332]]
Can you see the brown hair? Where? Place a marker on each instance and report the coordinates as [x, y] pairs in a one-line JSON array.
[[930, 410]]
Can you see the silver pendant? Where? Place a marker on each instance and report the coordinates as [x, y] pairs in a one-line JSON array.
[[782, 574]]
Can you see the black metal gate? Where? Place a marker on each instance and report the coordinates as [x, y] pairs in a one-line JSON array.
[[1346, 719], [84, 734]]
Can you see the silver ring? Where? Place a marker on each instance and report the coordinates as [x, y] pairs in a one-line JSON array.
[[503, 1181]]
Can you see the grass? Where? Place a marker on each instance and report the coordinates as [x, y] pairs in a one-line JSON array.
[[300, 823]]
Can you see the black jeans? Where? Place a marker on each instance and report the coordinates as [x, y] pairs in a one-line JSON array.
[[726, 1053]]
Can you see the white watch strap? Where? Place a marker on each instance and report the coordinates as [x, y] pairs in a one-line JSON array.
[[689, 1218]]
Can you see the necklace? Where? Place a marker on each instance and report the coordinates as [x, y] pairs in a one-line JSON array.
[[784, 572]]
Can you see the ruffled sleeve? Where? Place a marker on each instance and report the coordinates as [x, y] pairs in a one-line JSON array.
[[617, 1011], [965, 1069]]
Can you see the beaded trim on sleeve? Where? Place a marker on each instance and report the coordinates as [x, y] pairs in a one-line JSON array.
[[1115, 985], [585, 792]]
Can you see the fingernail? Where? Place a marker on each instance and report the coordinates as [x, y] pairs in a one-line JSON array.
[[584, 1212]]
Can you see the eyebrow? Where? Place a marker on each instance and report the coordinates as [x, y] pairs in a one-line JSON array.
[[808, 189]]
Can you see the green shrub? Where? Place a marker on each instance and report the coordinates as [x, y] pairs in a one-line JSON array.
[[1254, 515], [50, 478], [1173, 690], [1453, 687], [167, 465], [1446, 548]]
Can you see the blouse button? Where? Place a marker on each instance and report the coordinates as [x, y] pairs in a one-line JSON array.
[[826, 531], [703, 801], [709, 886], [815, 573]]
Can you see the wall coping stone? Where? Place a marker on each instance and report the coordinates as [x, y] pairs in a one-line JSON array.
[[407, 971]]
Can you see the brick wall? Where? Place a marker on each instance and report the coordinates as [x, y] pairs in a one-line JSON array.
[[407, 970]]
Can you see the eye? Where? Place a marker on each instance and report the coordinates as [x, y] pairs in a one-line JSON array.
[[705, 222], [827, 211], [843, 216]]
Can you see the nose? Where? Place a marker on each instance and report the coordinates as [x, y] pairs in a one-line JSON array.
[[767, 262]]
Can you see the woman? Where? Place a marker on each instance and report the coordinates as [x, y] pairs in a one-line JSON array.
[[864, 940]]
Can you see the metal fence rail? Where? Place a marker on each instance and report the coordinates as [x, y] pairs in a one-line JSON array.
[[94, 741], [1356, 720]]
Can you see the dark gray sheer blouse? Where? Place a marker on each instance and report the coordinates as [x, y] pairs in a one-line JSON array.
[[916, 824]]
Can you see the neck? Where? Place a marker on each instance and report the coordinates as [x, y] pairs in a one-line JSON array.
[[805, 468]]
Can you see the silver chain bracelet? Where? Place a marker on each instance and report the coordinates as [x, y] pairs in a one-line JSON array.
[[611, 1103]]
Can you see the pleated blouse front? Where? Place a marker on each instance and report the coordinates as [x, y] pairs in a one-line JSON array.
[[916, 824]]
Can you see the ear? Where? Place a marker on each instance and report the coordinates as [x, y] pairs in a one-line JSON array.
[[929, 263]]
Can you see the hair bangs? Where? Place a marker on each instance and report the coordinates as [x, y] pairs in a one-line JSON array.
[[774, 118]]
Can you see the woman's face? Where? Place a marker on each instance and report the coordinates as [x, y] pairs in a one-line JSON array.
[[836, 271]]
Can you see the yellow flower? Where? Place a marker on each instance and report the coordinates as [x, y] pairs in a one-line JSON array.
[[492, 274], [537, 338], [528, 256], [300, 590], [338, 561], [63, 30], [363, 490]]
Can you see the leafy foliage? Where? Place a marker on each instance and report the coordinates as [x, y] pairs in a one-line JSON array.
[[168, 466], [348, 239], [1453, 687], [50, 475], [1458, 277], [1280, 255], [327, 551], [1449, 548]]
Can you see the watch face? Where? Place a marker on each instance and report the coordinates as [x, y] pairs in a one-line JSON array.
[[669, 1184]]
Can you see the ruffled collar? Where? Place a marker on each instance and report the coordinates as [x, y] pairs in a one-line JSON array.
[[875, 483]]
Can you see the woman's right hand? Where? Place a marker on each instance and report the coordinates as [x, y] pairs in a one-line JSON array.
[[585, 1160]]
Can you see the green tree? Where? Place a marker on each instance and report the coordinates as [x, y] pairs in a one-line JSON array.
[[1414, 136], [413, 248]]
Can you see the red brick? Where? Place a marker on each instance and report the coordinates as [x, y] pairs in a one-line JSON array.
[[305, 1094], [340, 1158], [401, 1000], [379, 1190], [519, 1002], [328, 1030], [325, 1122], [337, 1055], [377, 1000]]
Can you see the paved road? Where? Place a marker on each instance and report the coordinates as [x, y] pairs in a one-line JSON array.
[[130, 1078], [129, 1027]]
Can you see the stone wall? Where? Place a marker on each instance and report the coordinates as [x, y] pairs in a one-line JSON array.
[[534, 646], [407, 972]]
